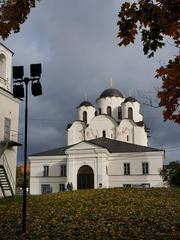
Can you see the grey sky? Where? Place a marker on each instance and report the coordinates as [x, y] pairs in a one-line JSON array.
[[77, 45]]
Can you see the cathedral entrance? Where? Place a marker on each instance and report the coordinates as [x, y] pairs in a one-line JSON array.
[[85, 177]]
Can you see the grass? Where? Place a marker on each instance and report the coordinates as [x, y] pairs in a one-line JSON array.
[[95, 214]]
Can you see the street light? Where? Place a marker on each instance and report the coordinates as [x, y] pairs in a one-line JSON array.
[[18, 92]]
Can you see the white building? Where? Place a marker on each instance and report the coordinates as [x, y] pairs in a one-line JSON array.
[[106, 147], [9, 117]]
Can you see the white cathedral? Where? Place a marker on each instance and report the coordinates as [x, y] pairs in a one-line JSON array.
[[106, 147]]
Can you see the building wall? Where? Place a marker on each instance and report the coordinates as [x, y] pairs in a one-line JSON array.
[[75, 133], [36, 173], [116, 169], [108, 168], [98, 125], [137, 117], [113, 102], [9, 109], [117, 126], [5, 68], [90, 113]]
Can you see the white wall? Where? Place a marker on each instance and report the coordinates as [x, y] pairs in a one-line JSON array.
[[36, 173], [76, 132], [5, 68], [116, 169], [113, 102], [98, 159], [90, 113], [98, 125], [137, 117], [9, 109]]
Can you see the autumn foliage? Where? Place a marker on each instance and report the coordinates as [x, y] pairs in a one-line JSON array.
[[13, 13], [102, 214], [155, 19]]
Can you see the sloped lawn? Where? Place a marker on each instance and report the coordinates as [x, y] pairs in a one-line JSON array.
[[95, 214]]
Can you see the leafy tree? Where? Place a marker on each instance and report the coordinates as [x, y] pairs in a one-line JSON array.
[[155, 19], [20, 178], [171, 174], [13, 13]]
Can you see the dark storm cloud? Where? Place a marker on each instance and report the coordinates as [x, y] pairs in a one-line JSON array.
[[77, 45]]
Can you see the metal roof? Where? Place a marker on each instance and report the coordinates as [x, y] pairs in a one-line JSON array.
[[111, 92], [113, 146]]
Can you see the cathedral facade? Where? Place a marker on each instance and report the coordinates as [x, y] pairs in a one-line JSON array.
[[114, 117], [107, 146]]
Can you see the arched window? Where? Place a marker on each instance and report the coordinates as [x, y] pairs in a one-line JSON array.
[[2, 66], [130, 113], [109, 110], [95, 113], [99, 111], [119, 113], [85, 116], [127, 138], [104, 133]]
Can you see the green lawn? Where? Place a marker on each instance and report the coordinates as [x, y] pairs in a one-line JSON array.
[[95, 214]]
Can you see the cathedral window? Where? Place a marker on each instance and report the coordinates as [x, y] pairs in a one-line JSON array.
[[2, 66], [109, 112], [85, 116], [46, 188], [130, 113], [145, 168], [119, 113], [7, 128], [46, 171], [106, 170], [61, 187], [104, 133], [63, 171], [126, 168]]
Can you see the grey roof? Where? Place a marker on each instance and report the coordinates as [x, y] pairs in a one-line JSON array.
[[52, 152], [111, 92], [85, 103], [130, 99], [113, 146]]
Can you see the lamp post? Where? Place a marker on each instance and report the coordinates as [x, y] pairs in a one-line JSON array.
[[18, 92]]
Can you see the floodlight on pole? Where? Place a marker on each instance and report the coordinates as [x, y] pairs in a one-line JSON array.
[[35, 70], [18, 92], [18, 72]]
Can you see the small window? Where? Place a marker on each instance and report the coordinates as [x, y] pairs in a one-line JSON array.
[[106, 170], [104, 133], [130, 113], [127, 185], [7, 128], [2, 66], [46, 171], [95, 113], [119, 113], [63, 171], [109, 112], [99, 111], [126, 168], [127, 138], [61, 187], [85, 116], [145, 168], [46, 188]]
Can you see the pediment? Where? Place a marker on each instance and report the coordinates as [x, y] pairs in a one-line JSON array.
[[83, 146]]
